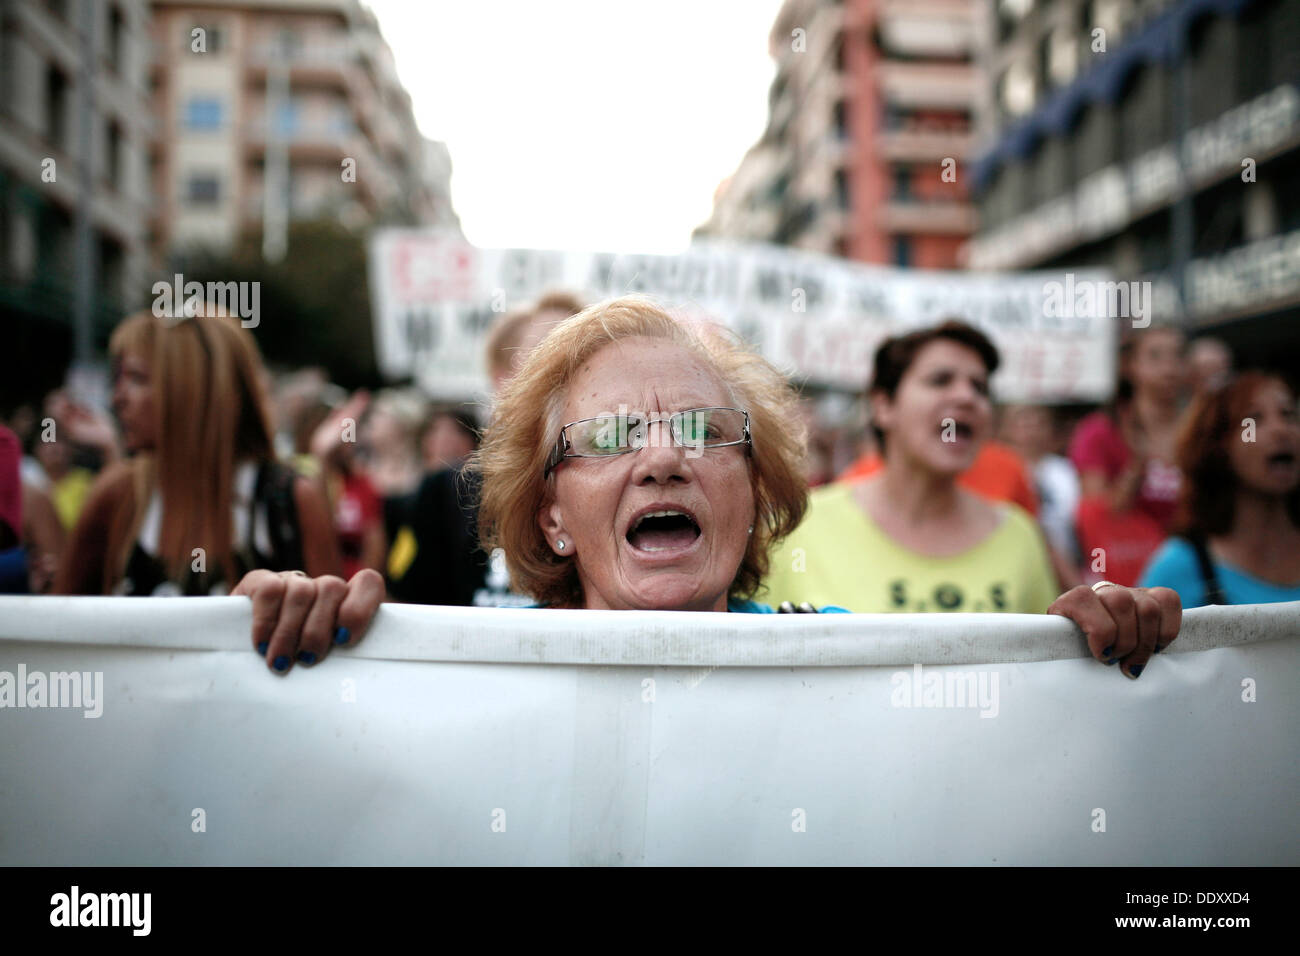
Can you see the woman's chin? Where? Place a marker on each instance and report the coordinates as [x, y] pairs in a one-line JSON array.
[[953, 459], [671, 591]]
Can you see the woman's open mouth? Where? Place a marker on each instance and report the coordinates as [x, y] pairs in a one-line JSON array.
[[1283, 461], [951, 432], [658, 531]]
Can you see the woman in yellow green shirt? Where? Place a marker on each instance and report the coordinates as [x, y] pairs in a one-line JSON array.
[[908, 538]]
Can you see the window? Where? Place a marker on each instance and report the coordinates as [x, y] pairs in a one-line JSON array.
[[1050, 169], [1212, 52], [841, 120], [56, 107], [902, 183], [1093, 140], [116, 39], [1109, 16], [113, 164], [903, 251], [202, 189], [1063, 57], [203, 113], [1145, 111], [842, 188], [287, 42], [1045, 61], [1018, 89], [1284, 52], [213, 39], [341, 120], [286, 117]]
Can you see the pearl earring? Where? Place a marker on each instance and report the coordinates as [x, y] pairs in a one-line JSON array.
[[560, 544], [751, 529]]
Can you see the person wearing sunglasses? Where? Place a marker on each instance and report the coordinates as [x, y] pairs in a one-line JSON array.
[[634, 462]]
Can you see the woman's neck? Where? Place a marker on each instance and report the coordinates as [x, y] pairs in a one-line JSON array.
[[917, 493], [1262, 528], [1154, 411]]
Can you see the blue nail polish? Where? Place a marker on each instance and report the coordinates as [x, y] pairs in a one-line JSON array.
[[1135, 670], [280, 663], [1108, 651], [261, 648], [307, 657], [1159, 648], [341, 635], [1113, 660]]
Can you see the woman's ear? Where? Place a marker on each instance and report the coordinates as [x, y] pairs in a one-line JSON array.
[[550, 518], [882, 410]]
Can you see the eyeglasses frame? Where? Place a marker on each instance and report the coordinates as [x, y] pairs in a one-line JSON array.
[[560, 450]]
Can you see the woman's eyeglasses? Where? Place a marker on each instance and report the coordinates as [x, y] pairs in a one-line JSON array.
[[608, 435]]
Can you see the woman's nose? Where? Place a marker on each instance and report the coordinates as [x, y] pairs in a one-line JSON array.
[[660, 459], [967, 392]]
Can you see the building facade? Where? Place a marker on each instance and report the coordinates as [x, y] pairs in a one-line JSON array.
[[300, 95], [869, 125], [75, 127], [1158, 140]]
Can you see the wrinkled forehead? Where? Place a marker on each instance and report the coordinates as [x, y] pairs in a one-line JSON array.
[[650, 376]]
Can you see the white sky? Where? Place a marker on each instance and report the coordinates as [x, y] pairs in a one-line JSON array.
[[585, 124]]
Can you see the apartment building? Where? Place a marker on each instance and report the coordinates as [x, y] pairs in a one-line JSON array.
[[868, 130], [298, 95], [1159, 140], [74, 188]]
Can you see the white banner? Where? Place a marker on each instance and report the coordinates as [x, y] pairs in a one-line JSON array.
[[471, 736], [817, 317]]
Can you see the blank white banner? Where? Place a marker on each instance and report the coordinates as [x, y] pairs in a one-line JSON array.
[[472, 736]]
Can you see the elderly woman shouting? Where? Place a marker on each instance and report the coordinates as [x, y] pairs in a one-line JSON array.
[[636, 462]]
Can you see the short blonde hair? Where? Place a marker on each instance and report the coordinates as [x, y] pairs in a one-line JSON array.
[[528, 416]]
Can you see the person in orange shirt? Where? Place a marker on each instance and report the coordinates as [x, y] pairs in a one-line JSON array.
[[997, 472]]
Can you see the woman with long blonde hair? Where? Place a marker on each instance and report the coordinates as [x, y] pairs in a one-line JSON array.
[[202, 500]]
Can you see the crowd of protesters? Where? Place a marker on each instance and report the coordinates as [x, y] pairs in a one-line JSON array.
[[209, 467]]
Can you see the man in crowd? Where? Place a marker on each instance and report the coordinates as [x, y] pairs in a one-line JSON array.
[[436, 558]]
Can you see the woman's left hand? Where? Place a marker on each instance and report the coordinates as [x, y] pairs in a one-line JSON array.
[[1123, 625]]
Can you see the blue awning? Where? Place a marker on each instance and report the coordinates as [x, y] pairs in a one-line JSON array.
[[1160, 41]]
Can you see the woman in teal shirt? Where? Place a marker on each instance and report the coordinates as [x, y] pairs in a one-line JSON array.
[[1240, 455]]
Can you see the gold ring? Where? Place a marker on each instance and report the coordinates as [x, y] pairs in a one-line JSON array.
[[1104, 584]]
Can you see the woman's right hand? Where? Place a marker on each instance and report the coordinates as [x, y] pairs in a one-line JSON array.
[[330, 434], [297, 618]]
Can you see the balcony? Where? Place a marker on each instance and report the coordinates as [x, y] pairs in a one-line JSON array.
[[926, 28], [923, 145], [919, 85], [306, 139], [333, 63], [926, 218]]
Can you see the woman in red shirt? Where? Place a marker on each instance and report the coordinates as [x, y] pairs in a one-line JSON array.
[[1125, 457]]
